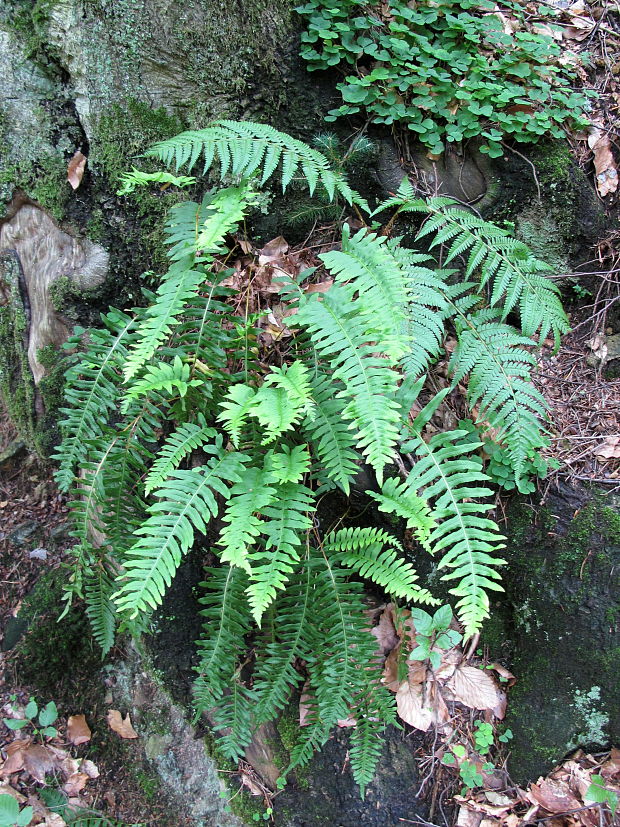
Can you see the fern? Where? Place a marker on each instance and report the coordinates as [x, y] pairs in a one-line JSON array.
[[284, 530], [499, 367], [247, 149], [377, 556], [92, 391], [340, 330], [516, 278], [185, 439], [188, 380], [186, 503], [470, 541]]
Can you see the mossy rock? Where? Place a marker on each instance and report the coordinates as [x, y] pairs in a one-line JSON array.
[[558, 627]]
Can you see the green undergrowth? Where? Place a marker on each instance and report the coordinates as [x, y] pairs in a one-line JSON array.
[[188, 376], [448, 71]]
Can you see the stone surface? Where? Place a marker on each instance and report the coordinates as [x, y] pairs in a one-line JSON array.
[[558, 628]]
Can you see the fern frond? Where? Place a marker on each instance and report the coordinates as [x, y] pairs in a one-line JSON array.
[[289, 464], [372, 713], [397, 498], [136, 178], [186, 503], [171, 377], [275, 675], [331, 439], [181, 442], [378, 557], [247, 498], [217, 216], [516, 276], [284, 530], [294, 380], [91, 391], [341, 654], [470, 541], [220, 648], [235, 409], [499, 367], [100, 609], [245, 149], [340, 333], [367, 264]]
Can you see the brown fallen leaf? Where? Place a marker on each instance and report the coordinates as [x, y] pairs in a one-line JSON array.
[[75, 170], [410, 706], [604, 163], [474, 688], [39, 761], [122, 726], [385, 632], [609, 449], [319, 286], [75, 783], [15, 757], [6, 789], [91, 769], [554, 796], [273, 250], [78, 730]]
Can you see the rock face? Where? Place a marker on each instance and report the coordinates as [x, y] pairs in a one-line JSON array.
[[558, 628], [108, 78]]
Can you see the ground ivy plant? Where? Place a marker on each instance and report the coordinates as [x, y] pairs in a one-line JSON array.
[[447, 69]]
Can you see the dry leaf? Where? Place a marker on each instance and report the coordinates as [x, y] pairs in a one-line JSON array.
[[75, 783], [6, 789], [273, 250], [122, 726], [54, 820], [75, 170], [604, 164], [610, 448], [409, 703], [319, 287], [78, 730], [344, 723], [385, 631], [474, 688], [554, 796], [39, 761], [91, 769], [304, 705]]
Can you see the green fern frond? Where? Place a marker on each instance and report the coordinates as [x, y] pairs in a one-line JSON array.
[[470, 541], [378, 557], [100, 609], [397, 498], [499, 367], [186, 503], [222, 213], [232, 717], [275, 675], [284, 529], [235, 409], [136, 178], [339, 329], [277, 411], [91, 391], [181, 442], [220, 648], [172, 377], [331, 439], [245, 149], [247, 498], [367, 264], [372, 712], [294, 379], [341, 654], [289, 464]]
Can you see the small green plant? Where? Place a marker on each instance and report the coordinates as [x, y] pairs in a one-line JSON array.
[[57, 802], [600, 794], [446, 69], [11, 815], [266, 816], [433, 633], [483, 737], [40, 720]]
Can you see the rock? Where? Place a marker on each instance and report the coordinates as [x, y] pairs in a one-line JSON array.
[[38, 554], [557, 628], [21, 533], [15, 450]]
